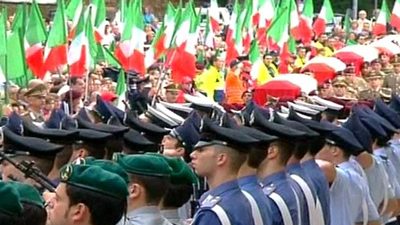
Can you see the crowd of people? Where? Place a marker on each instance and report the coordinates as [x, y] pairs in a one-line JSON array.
[[202, 151]]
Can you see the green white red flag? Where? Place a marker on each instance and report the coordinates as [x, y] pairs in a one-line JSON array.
[[325, 16], [130, 50], [35, 37], [306, 20], [55, 54], [395, 18], [382, 20]]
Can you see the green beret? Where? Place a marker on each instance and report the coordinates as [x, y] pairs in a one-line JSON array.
[[10, 202], [181, 172], [94, 178], [108, 165], [29, 194], [147, 165]]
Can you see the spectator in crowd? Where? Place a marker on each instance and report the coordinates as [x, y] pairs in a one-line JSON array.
[[148, 15], [362, 19]]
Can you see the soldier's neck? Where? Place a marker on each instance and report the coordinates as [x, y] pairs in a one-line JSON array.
[[246, 170], [220, 178], [307, 157], [269, 168]]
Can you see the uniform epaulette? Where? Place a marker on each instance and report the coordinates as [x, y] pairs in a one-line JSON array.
[[210, 201], [269, 189]]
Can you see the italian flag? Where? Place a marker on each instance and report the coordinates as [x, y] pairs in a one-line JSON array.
[[306, 19], [266, 15], [82, 50], [121, 90], [55, 54], [247, 28], [73, 12], [130, 50], [294, 21], [156, 49], [395, 18], [35, 37], [209, 35], [255, 59], [213, 13], [234, 35], [99, 18], [184, 61], [382, 20], [325, 16], [279, 30]]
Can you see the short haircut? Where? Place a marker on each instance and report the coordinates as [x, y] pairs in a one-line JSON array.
[[285, 148], [316, 145], [257, 155], [382, 141], [346, 153], [301, 149], [104, 210], [155, 187], [33, 214], [63, 156], [236, 158], [177, 195]]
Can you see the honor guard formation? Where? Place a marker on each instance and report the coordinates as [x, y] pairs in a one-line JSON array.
[[257, 113]]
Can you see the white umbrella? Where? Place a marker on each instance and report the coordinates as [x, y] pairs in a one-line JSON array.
[[354, 52], [306, 83], [387, 46], [321, 63]]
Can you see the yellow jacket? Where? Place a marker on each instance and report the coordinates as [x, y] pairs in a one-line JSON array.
[[264, 75], [209, 81]]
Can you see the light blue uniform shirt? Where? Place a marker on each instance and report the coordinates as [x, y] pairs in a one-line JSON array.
[[230, 198], [340, 199], [360, 193], [251, 185], [321, 185], [279, 183]]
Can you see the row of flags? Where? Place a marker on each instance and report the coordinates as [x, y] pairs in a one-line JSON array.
[[253, 25]]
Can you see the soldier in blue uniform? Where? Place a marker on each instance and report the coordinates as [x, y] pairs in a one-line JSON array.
[[276, 183], [368, 166], [346, 182], [247, 178], [313, 211], [218, 156], [309, 164]]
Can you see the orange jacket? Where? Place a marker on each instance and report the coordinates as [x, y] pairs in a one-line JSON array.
[[234, 88]]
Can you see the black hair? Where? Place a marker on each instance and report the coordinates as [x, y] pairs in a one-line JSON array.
[[301, 149], [177, 195], [33, 214], [315, 145], [104, 210], [285, 150], [155, 187], [256, 155], [10, 220]]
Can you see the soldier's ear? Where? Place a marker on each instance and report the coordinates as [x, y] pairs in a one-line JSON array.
[[135, 190]]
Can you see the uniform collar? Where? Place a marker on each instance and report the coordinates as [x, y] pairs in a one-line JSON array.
[[144, 211], [274, 177], [310, 162], [227, 186], [345, 165], [293, 167], [252, 179], [380, 151]]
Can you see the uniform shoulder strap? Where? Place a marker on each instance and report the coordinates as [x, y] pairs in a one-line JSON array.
[[255, 211], [222, 216], [283, 208]]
